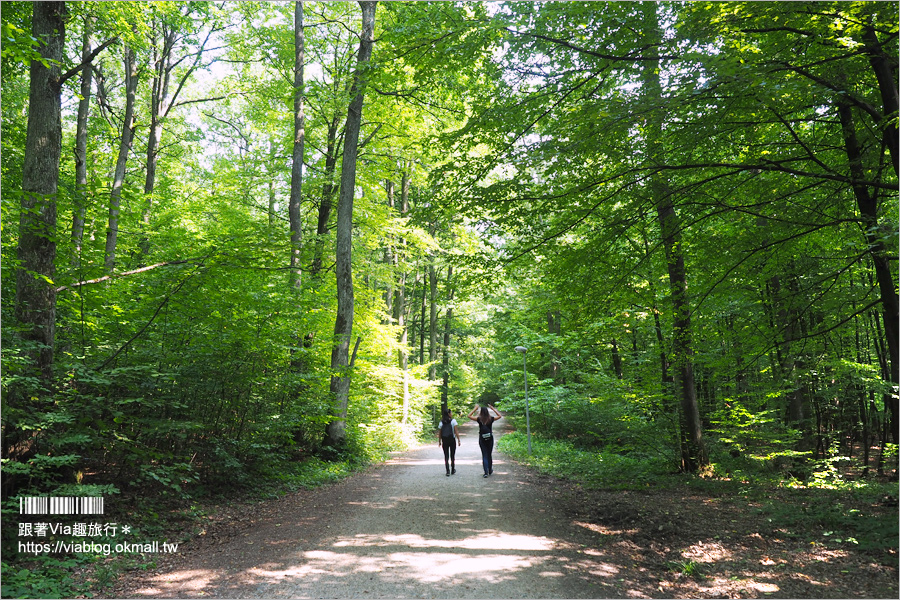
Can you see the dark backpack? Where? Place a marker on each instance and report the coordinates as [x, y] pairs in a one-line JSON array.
[[446, 429]]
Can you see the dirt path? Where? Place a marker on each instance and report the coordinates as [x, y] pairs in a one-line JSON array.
[[404, 530]]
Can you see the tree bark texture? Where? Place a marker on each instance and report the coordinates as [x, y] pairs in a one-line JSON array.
[[35, 291], [616, 359], [335, 431]]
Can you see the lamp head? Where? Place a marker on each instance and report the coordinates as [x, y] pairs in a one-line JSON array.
[[521, 349]]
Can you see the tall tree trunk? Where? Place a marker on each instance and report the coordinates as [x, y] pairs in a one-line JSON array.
[[881, 63], [448, 320], [867, 203], [327, 195], [793, 365], [692, 447], [84, 106], [271, 229], [161, 75], [665, 377], [325, 205], [617, 360], [432, 319], [422, 322], [335, 431], [554, 328], [161, 104], [402, 304], [125, 141], [299, 138], [693, 451], [432, 316], [390, 260], [35, 291]]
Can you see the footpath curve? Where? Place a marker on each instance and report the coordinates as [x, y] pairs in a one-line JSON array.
[[405, 530]]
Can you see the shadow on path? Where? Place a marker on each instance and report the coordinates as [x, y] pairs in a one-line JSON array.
[[406, 530]]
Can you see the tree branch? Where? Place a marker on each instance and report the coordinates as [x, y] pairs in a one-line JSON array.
[[595, 54], [123, 274], [371, 135], [355, 348], [777, 167], [865, 106], [74, 70], [182, 103], [194, 67]]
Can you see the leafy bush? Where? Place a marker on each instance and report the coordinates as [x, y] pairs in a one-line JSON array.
[[592, 468], [45, 577], [744, 441], [613, 419]]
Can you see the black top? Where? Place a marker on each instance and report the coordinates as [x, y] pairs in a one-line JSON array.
[[484, 428]]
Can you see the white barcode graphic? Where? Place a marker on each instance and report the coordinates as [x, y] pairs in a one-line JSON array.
[[60, 505]]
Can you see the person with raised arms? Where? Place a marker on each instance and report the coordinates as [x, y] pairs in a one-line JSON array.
[[485, 434]]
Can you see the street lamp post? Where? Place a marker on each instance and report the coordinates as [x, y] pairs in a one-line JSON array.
[[523, 350]]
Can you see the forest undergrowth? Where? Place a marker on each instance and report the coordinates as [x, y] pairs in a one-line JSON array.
[[755, 535]]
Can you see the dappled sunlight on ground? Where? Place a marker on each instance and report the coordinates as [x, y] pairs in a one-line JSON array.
[[603, 530], [708, 552], [194, 580], [826, 554], [765, 588], [490, 540], [392, 502], [433, 567], [488, 556]]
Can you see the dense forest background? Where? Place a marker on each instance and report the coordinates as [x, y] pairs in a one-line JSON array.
[[249, 242]]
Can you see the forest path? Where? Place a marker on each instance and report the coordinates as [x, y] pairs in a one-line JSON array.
[[405, 530]]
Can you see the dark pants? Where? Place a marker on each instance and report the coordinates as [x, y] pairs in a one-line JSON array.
[[487, 446], [449, 446]]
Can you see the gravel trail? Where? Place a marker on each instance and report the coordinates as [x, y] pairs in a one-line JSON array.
[[404, 530]]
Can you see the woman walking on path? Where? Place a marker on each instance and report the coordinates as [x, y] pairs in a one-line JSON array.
[[486, 435], [445, 438]]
